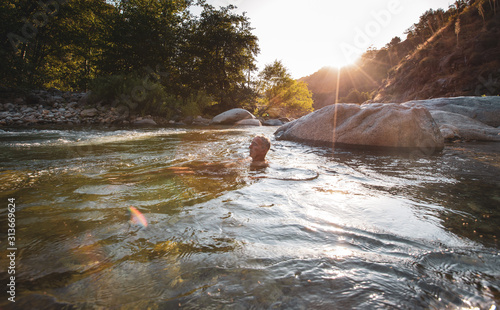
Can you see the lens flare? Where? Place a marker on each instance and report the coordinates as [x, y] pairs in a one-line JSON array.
[[136, 217]]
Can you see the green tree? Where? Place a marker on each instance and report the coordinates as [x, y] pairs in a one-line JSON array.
[[355, 96], [144, 34], [223, 53], [280, 94], [51, 43]]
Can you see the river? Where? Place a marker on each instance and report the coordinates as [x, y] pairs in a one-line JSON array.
[[320, 228]]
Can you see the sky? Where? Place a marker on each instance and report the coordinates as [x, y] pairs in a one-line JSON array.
[[309, 35]]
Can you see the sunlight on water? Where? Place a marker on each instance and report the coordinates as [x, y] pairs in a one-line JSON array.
[[175, 218]]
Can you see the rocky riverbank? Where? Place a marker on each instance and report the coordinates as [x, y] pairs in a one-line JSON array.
[[68, 109], [64, 109]]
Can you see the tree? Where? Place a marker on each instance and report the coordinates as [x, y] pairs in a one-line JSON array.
[[280, 94], [224, 51], [68, 44], [53, 43], [355, 96]]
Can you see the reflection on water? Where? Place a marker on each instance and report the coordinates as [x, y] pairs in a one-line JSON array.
[[315, 230]]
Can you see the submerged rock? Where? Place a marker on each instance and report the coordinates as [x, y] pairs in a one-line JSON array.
[[484, 109], [379, 125], [457, 126], [232, 116]]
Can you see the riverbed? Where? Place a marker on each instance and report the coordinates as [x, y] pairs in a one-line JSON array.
[[319, 228]]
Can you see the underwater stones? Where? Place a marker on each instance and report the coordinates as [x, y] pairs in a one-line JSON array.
[[376, 125]]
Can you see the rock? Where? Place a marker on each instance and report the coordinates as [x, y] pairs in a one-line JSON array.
[[483, 109], [272, 122], [201, 121], [33, 99], [58, 99], [232, 116], [457, 126], [85, 99], [72, 104], [89, 112], [248, 122], [188, 120], [9, 106], [31, 119], [379, 125], [144, 122], [122, 112]]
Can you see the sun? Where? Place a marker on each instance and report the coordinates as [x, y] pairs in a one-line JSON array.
[[342, 56]]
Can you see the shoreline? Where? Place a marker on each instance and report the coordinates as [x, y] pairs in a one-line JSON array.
[[57, 109]]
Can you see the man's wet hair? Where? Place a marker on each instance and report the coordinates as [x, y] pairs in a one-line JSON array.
[[265, 142]]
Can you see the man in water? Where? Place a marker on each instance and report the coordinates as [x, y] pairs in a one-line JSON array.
[[258, 149]]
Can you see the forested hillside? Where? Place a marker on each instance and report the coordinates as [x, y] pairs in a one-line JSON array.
[[446, 53]]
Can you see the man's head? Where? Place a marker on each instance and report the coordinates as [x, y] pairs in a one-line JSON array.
[[259, 147]]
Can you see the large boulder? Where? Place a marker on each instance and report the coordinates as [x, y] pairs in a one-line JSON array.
[[379, 125], [483, 109], [232, 116], [457, 126]]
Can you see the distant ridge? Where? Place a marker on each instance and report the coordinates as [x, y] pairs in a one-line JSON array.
[[446, 54]]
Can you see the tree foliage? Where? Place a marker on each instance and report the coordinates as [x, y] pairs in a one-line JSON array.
[[69, 43], [280, 94], [355, 96]]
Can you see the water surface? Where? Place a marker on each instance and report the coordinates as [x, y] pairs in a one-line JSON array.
[[317, 229]]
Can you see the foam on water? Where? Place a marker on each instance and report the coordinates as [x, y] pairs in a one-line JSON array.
[[37, 138]]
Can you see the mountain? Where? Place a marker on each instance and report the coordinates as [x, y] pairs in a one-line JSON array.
[[446, 54]]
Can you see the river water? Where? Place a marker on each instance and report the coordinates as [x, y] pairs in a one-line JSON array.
[[317, 229]]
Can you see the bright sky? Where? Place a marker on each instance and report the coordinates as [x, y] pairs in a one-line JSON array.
[[308, 35]]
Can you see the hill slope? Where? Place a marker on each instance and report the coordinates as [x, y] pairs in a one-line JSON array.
[[448, 64], [432, 62]]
